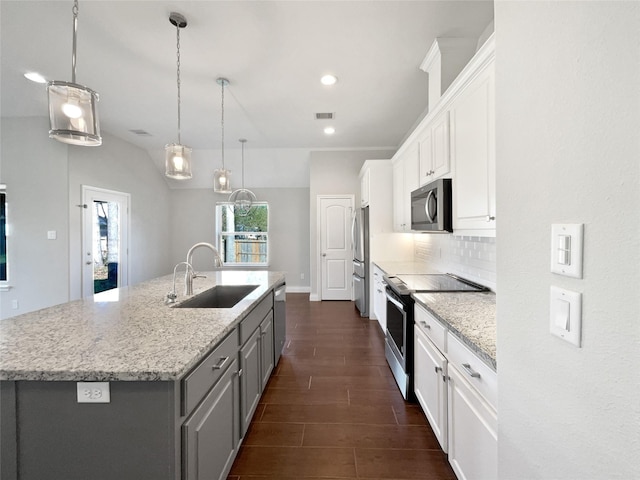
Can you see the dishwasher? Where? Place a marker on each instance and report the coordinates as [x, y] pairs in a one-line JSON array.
[[280, 320]]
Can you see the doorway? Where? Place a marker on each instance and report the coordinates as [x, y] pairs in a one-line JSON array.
[[105, 240], [335, 250]]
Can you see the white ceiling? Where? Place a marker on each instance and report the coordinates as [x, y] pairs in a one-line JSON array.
[[272, 52]]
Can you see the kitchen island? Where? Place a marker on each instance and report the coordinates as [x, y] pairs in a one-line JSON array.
[[183, 382]]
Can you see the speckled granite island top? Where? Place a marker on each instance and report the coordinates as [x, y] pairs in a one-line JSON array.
[[124, 334], [469, 316]]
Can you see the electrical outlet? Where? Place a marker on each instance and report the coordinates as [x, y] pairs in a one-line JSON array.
[[302, 276], [93, 392], [14, 304]]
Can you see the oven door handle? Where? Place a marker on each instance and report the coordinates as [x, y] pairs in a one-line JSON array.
[[395, 302]]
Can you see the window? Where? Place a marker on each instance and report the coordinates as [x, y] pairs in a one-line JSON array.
[[243, 239], [3, 234]]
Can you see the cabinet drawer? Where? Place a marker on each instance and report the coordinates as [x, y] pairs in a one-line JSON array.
[[197, 383], [431, 327], [255, 317], [476, 372]]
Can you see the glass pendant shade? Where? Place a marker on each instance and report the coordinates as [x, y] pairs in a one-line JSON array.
[[177, 161], [73, 108], [222, 181], [242, 200]]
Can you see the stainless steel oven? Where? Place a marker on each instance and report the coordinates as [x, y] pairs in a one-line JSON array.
[[398, 347], [400, 303]]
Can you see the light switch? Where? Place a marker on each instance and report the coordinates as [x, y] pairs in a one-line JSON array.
[[566, 249], [565, 314], [52, 235]]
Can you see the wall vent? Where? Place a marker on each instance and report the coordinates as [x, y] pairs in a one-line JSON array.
[[324, 116]]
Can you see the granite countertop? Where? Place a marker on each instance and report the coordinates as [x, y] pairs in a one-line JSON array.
[[408, 268], [469, 316], [126, 333]]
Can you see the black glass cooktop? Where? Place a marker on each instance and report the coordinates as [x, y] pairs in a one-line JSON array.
[[445, 282]]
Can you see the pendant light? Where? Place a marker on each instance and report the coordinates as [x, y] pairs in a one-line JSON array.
[[242, 198], [73, 113], [221, 176], [177, 156]]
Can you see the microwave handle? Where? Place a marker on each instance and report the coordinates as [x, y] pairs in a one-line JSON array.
[[426, 206]]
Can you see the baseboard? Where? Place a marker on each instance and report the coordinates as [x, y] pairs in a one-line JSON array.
[[298, 289]]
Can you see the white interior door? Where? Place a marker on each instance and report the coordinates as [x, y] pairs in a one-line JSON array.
[[336, 265], [105, 240]]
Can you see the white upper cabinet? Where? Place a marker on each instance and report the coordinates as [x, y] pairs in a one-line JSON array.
[[405, 180], [434, 149], [473, 152], [376, 193], [456, 140], [365, 186]]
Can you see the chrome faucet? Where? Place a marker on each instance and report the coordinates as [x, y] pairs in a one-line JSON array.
[[189, 276], [172, 295]]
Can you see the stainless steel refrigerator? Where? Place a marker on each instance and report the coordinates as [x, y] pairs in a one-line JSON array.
[[360, 242]]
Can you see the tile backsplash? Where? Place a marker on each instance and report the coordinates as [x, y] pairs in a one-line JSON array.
[[473, 258]]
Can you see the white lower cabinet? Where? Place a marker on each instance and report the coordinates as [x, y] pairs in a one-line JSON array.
[[473, 431], [430, 384], [379, 298], [458, 394]]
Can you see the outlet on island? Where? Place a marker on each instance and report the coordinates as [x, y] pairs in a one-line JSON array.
[[93, 392]]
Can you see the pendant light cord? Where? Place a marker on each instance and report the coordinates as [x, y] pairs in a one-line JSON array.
[[242, 141], [75, 35], [178, 78], [222, 123]]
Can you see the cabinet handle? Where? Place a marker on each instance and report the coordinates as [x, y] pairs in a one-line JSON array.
[[438, 369], [426, 325], [220, 363], [490, 218], [240, 373], [470, 371]]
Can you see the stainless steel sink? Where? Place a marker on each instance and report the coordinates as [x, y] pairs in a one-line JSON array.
[[220, 296]]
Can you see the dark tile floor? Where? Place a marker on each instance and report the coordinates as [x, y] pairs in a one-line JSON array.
[[332, 410]]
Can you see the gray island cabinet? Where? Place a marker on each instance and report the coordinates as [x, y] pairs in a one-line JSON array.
[[184, 383]]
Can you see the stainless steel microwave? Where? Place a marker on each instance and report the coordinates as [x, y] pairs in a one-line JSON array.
[[431, 207]]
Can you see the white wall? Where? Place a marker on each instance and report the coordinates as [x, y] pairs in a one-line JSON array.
[[333, 172], [568, 119], [121, 166], [34, 168], [43, 179], [193, 214]]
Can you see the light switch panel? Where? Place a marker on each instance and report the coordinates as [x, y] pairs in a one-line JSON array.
[[565, 315], [566, 249]]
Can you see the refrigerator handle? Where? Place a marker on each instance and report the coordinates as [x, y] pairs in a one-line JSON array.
[[353, 233]]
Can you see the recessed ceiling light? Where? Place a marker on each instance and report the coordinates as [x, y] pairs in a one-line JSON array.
[[329, 130], [35, 77], [329, 80]]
